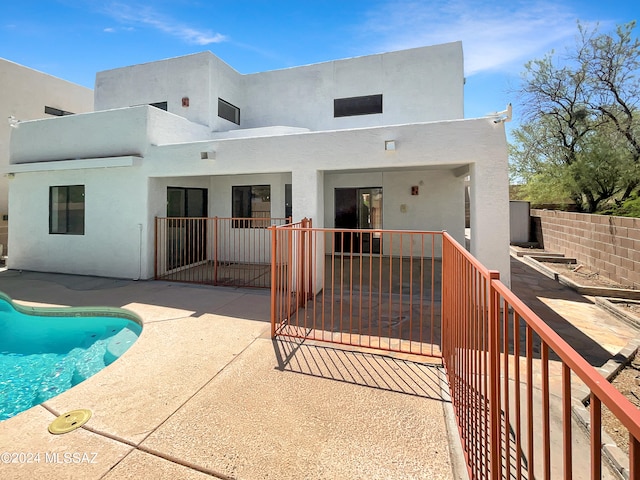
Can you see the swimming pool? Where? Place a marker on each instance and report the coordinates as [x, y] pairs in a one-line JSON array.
[[46, 351]]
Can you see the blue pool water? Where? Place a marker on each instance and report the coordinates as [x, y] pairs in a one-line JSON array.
[[45, 351]]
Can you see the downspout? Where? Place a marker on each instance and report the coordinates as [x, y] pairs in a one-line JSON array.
[[139, 252]]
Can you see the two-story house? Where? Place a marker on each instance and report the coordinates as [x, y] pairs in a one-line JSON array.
[[378, 141]]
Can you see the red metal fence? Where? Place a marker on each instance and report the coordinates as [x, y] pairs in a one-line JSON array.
[[510, 376], [511, 379], [330, 285], [215, 251]]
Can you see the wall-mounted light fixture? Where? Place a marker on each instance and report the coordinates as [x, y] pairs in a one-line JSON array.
[[185, 101], [389, 145], [208, 155]]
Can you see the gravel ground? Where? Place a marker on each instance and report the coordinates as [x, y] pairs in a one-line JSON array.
[[626, 382], [583, 276]]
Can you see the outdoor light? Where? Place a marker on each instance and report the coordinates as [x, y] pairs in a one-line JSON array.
[[389, 145], [208, 155]]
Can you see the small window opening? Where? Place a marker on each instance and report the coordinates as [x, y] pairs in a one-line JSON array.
[[366, 105], [56, 111], [228, 111]]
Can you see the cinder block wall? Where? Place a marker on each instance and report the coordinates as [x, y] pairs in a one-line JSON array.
[[610, 245]]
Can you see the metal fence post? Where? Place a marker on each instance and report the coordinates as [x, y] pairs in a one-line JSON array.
[[215, 250], [494, 377], [274, 286], [155, 249]]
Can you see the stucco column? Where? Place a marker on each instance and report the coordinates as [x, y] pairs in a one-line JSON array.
[[489, 204], [307, 192]]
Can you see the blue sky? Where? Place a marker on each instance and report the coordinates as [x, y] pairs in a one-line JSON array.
[[74, 39]]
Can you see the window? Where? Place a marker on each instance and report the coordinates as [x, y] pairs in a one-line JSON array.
[[251, 201], [186, 202], [160, 105], [56, 111], [367, 105], [228, 111], [66, 210]]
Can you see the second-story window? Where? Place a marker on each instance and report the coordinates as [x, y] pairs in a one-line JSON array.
[[56, 111], [160, 105], [365, 105], [228, 111]]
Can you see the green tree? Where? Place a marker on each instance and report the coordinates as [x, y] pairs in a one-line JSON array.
[[580, 136]]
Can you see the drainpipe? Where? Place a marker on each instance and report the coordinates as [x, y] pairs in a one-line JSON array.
[[139, 252]]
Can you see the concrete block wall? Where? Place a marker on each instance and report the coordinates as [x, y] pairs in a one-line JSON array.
[[610, 245]]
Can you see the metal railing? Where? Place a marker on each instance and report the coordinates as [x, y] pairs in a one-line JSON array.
[[510, 377], [215, 250], [367, 288]]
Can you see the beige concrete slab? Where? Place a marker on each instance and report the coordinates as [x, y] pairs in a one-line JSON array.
[[55, 289], [602, 327], [255, 420], [37, 454], [143, 465], [168, 363], [253, 306], [591, 331]]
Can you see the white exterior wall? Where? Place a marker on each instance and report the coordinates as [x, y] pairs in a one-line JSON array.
[[126, 157], [418, 85], [438, 206], [220, 188], [162, 81], [23, 94], [430, 152], [92, 135], [489, 205], [115, 208]]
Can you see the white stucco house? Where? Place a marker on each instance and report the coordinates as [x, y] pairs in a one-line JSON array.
[[27, 94], [191, 136]]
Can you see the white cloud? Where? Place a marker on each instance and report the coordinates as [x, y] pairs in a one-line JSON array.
[[109, 30], [143, 15], [495, 36]]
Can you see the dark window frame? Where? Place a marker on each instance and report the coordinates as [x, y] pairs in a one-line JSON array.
[[288, 200], [353, 106], [66, 226], [187, 192], [227, 114], [160, 105], [56, 112], [243, 214]]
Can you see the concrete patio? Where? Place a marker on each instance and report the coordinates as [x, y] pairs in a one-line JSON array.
[[205, 392]]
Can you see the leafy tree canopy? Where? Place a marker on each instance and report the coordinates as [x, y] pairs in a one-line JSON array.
[[580, 136]]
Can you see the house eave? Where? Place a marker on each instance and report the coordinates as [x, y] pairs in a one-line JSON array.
[[75, 164]]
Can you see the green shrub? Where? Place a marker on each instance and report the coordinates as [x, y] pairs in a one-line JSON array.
[[629, 208]]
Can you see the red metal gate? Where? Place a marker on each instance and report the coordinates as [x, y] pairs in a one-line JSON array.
[[327, 286]]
